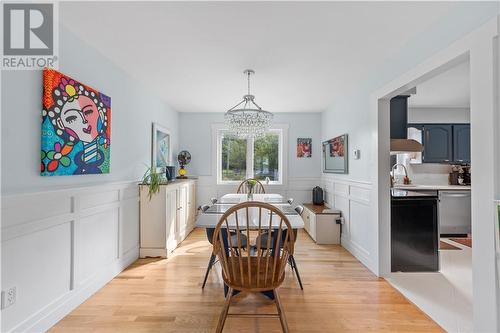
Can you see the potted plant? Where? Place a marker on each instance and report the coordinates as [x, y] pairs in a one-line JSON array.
[[153, 180], [251, 185]]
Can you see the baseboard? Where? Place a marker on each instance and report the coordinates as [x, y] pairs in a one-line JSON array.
[[359, 254], [57, 310], [147, 252]]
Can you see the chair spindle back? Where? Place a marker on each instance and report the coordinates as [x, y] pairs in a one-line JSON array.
[[245, 188], [256, 268]]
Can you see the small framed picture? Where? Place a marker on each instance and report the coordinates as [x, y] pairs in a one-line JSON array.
[[304, 147], [161, 153]]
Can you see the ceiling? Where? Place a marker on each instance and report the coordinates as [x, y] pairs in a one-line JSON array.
[[449, 89], [192, 54]]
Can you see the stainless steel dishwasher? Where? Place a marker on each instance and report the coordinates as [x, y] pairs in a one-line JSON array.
[[454, 212]]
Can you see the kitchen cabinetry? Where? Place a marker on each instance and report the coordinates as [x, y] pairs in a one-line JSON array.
[[166, 219], [438, 142], [444, 143], [320, 223], [398, 116], [461, 143]]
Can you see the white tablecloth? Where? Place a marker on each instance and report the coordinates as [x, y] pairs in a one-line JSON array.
[[211, 220]]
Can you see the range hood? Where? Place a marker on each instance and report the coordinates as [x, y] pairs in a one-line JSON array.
[[399, 124], [401, 146]]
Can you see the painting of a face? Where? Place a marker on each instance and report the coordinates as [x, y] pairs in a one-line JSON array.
[[76, 127], [79, 118]]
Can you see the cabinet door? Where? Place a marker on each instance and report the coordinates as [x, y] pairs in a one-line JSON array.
[[461, 143], [191, 205], [438, 140], [399, 117], [312, 226], [182, 212], [153, 219], [306, 217], [171, 224]]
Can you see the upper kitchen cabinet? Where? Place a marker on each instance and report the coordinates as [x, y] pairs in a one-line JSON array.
[[461, 143], [438, 143], [399, 117]]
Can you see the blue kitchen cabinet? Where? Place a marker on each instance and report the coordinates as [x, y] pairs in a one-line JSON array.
[[461, 143], [438, 143]]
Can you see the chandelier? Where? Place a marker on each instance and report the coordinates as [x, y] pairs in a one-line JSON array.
[[247, 119]]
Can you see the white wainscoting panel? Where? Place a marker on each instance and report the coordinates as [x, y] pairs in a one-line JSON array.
[[60, 246], [97, 240], [353, 199]]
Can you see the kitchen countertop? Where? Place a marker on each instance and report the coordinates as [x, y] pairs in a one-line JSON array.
[[431, 187]]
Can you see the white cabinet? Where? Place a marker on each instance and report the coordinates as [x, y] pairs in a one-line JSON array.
[[171, 225], [166, 219], [320, 222], [309, 223], [191, 204], [182, 201]]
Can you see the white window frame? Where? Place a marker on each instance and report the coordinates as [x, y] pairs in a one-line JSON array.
[[280, 129]]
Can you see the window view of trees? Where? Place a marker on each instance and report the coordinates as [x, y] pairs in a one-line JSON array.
[[234, 158], [265, 158]]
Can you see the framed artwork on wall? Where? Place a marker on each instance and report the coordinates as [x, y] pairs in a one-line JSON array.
[[335, 155], [76, 127], [161, 152], [304, 147]]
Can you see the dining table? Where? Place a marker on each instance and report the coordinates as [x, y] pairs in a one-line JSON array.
[[211, 216]]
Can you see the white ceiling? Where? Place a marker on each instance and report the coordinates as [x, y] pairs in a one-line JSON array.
[[305, 54], [449, 89]]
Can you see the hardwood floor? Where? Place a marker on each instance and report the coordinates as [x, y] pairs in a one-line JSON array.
[[340, 295]]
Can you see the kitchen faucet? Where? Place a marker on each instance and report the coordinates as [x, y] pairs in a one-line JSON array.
[[393, 179]]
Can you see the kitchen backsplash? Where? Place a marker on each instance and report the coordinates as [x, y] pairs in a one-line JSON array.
[[423, 174], [429, 174]]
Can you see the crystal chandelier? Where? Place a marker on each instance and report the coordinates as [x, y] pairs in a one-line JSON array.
[[246, 119]]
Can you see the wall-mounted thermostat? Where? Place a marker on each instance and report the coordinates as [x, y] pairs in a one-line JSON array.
[[357, 154]]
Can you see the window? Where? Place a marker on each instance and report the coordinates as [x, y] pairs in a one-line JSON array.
[[234, 158], [239, 159], [266, 156]]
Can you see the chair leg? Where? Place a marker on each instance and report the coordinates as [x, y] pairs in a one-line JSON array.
[[281, 312], [210, 264], [294, 267], [225, 310]]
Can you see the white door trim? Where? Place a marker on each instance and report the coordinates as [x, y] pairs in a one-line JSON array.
[[479, 46]]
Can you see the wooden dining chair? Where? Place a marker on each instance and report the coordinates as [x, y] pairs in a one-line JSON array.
[[210, 235], [259, 270], [244, 187], [263, 239]]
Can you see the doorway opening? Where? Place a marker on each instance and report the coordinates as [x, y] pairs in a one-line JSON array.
[[430, 203]]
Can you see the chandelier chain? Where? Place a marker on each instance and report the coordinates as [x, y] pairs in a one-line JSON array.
[[248, 80], [247, 119]]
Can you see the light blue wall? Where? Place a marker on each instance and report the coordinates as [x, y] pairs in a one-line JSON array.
[[351, 113], [133, 111], [196, 137]]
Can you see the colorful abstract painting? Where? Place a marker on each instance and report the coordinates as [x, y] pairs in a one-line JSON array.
[[304, 147], [76, 127]]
